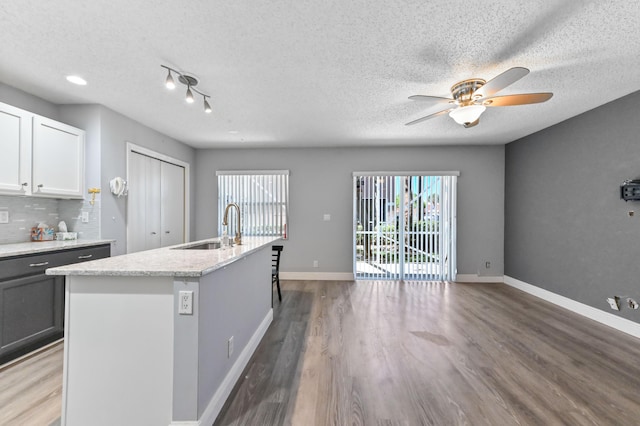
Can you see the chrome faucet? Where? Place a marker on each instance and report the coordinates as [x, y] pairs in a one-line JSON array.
[[225, 221]]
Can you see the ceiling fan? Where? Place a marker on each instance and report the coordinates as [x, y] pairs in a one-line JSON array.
[[471, 97]]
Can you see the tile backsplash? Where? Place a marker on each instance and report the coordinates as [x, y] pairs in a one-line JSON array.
[[27, 212]]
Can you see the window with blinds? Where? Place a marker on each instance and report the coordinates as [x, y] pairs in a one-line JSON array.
[[263, 198]]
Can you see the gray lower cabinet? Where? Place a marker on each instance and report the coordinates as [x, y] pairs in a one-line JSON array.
[[32, 303]]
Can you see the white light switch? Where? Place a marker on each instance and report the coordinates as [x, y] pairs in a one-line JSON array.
[[185, 302], [327, 217], [85, 217], [4, 216]]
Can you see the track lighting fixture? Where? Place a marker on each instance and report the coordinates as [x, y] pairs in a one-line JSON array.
[[188, 80]]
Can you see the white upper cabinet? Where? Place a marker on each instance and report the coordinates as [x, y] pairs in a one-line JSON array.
[[15, 145], [40, 157], [58, 159]]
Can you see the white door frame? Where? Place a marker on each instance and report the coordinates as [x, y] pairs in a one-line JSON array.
[[131, 148]]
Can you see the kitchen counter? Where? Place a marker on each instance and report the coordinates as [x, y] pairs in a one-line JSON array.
[[175, 325], [33, 247], [168, 261]]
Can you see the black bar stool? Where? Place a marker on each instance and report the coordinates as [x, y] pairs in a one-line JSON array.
[[275, 270]]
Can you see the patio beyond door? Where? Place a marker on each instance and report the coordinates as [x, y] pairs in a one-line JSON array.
[[404, 226]]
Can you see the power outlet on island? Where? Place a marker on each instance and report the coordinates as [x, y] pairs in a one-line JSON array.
[[185, 303], [614, 303]]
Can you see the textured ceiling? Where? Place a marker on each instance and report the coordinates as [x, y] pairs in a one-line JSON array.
[[322, 72]]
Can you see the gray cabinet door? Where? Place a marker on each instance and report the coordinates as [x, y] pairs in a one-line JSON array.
[[31, 314], [32, 303]]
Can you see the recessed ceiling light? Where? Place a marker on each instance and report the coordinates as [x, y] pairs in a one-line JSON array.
[[233, 132], [76, 80]]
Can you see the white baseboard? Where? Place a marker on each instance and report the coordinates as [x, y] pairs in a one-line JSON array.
[[220, 397], [614, 321], [317, 276], [473, 278]]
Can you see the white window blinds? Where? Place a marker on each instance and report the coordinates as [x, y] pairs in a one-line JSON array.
[[263, 198]]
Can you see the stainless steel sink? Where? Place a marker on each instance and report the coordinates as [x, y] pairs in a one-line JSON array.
[[212, 245]]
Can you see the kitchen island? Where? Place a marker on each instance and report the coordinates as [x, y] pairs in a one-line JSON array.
[[160, 337]]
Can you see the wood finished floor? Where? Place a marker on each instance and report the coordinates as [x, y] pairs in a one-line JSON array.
[[430, 353], [389, 353], [31, 390]]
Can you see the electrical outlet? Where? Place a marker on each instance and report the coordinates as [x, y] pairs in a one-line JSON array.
[[85, 217], [487, 265], [326, 217], [4, 216], [632, 303], [185, 300], [614, 302], [230, 347], [315, 263]]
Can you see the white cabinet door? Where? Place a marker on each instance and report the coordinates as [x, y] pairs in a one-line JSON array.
[[172, 200], [58, 159], [143, 203], [15, 150], [155, 204]]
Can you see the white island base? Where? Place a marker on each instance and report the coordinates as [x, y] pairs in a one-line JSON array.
[[132, 359]]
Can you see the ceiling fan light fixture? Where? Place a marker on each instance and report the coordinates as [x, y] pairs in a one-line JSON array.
[[467, 114]]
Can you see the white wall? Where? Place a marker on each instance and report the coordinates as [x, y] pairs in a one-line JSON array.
[[321, 182]]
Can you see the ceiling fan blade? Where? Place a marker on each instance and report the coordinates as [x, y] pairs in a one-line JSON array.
[[501, 81], [434, 99], [420, 120], [522, 99]]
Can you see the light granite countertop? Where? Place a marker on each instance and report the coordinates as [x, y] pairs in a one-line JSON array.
[[167, 261], [18, 249]]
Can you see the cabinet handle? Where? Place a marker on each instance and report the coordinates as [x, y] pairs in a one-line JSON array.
[[33, 265], [85, 256], [153, 233], [40, 187], [25, 183], [167, 232]]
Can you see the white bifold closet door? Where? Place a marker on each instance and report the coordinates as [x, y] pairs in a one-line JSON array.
[[155, 205]]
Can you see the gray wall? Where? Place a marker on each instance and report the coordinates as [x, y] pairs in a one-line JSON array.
[[566, 228], [116, 130], [321, 182], [19, 99], [106, 138]]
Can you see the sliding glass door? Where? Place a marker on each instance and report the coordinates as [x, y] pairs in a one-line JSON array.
[[404, 226]]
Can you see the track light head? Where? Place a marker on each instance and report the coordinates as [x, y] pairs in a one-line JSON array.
[[207, 107], [189, 97], [169, 83]]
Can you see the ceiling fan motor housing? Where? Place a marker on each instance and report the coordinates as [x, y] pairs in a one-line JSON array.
[[463, 91]]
